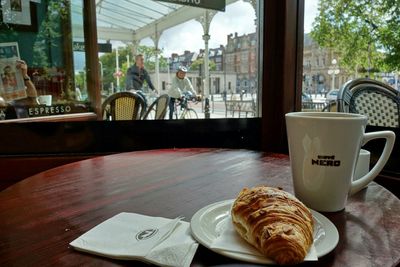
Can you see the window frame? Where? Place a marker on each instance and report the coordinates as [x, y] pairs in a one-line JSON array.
[[282, 29]]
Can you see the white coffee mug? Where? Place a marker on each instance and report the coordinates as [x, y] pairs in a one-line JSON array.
[[362, 166], [324, 148], [45, 99]]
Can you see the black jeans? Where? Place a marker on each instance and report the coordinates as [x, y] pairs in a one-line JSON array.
[[171, 105]]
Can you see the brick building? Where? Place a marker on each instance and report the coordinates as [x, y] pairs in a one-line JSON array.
[[241, 58]]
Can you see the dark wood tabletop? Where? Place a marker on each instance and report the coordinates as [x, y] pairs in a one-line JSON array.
[[40, 215]]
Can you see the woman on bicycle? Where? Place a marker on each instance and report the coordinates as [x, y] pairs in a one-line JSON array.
[[180, 85]]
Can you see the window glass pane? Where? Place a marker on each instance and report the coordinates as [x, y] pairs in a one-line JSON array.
[[347, 40], [39, 33], [172, 37]]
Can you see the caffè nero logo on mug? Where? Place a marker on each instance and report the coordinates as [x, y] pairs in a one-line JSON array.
[[326, 161]]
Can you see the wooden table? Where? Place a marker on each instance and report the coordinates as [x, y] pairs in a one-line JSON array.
[[42, 214]]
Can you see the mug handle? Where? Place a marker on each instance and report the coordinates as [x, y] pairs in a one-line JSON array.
[[390, 137]]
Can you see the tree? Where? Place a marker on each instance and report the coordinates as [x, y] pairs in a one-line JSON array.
[[364, 32], [200, 62]]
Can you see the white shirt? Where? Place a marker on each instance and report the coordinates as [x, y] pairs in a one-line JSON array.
[[180, 86]]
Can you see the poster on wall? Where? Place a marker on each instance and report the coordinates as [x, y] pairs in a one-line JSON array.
[[18, 14], [12, 86]]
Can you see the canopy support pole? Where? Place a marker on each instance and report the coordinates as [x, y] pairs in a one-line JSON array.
[[156, 38], [205, 21]]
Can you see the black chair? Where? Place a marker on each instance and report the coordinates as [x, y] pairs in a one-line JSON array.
[[331, 106], [123, 106], [378, 101], [158, 109]]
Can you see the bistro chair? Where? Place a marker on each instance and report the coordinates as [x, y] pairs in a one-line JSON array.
[[123, 106], [378, 101], [331, 106], [158, 109]]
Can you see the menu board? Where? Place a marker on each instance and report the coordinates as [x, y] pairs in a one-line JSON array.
[[12, 86]]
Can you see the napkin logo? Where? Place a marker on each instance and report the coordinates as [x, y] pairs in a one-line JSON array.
[[146, 234], [326, 161]]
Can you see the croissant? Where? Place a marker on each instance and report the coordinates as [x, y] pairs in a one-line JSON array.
[[274, 222]]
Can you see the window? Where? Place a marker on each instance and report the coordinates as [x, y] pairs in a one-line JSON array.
[[233, 35], [49, 40], [58, 68], [359, 42], [277, 76]]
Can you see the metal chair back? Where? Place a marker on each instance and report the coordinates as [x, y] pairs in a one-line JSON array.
[[123, 106], [158, 109], [378, 101]]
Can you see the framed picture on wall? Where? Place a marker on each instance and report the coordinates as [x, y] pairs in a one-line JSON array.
[[19, 15], [12, 86], [9, 50]]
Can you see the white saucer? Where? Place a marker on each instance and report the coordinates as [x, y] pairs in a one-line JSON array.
[[207, 223]]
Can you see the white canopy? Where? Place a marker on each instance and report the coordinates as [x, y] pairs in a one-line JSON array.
[[133, 20]]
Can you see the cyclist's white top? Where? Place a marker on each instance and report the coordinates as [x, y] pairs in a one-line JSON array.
[[180, 86]]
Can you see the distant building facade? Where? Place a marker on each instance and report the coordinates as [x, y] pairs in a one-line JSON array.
[[235, 65], [241, 58], [218, 81], [317, 62], [186, 59]]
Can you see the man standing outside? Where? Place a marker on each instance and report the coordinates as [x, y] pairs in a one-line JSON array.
[[136, 75], [180, 85]]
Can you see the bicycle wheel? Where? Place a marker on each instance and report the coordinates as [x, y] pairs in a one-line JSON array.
[[190, 114]]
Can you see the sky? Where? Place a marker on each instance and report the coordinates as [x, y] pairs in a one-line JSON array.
[[310, 12], [239, 17]]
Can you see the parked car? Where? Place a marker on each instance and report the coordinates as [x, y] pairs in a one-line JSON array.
[[332, 95]]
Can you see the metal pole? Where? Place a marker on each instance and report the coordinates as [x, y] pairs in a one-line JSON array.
[[102, 75], [117, 66], [206, 38], [169, 72], [157, 69]]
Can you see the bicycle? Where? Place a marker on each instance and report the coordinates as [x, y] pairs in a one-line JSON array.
[[182, 110], [148, 98]]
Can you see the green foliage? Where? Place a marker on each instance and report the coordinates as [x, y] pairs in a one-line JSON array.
[[199, 62], [49, 31], [109, 63], [366, 33], [80, 80]]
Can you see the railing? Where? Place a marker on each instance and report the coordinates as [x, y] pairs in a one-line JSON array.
[[246, 106]]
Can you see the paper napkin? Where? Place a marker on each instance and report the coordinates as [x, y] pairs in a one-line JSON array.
[[229, 240], [130, 236]]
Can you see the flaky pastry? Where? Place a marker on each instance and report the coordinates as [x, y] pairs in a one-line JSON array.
[[275, 222]]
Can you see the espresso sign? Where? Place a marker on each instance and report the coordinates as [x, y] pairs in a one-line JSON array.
[[208, 4], [39, 111]]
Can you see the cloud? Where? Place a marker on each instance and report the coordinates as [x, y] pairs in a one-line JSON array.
[[310, 12], [239, 17]]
